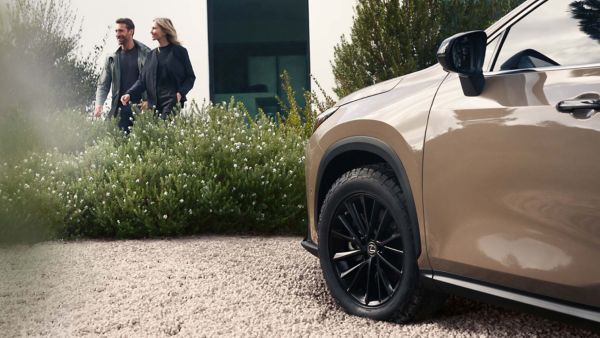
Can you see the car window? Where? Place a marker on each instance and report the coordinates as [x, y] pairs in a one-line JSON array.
[[557, 33]]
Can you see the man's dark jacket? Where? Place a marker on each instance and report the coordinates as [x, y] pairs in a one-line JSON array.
[[179, 67], [111, 76]]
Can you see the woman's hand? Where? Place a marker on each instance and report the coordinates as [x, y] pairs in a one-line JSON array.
[[125, 99], [178, 97]]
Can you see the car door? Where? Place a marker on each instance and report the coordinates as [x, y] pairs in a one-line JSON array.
[[511, 184]]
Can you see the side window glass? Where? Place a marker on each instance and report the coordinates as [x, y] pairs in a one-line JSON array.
[[558, 33]]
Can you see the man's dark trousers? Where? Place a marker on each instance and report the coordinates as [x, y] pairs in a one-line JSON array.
[[125, 118]]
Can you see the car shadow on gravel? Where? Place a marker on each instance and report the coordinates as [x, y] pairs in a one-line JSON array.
[[470, 316], [458, 317]]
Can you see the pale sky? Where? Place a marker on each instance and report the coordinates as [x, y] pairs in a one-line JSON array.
[[328, 21]]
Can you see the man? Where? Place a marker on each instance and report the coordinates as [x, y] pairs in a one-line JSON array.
[[121, 70]]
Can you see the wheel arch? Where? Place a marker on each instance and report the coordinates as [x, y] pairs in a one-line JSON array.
[[355, 152]]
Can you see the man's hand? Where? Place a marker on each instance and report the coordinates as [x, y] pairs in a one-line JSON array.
[[125, 99], [178, 97], [98, 110]]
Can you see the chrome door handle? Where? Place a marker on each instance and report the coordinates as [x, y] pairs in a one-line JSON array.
[[571, 106]]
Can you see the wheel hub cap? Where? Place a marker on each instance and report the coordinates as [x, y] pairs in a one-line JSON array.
[[372, 249]]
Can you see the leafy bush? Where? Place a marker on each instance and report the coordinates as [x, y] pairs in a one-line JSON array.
[[30, 171], [210, 170]]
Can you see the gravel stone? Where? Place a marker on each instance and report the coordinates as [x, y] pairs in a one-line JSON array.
[[209, 286]]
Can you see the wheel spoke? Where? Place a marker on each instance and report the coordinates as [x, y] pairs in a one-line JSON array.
[[342, 255], [389, 248], [394, 237], [385, 212], [366, 300], [342, 236], [395, 269], [355, 278], [363, 215], [385, 280], [349, 271], [355, 217], [379, 281], [374, 211], [348, 228]]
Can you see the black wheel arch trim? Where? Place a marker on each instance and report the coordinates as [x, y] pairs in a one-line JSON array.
[[380, 149], [578, 314]]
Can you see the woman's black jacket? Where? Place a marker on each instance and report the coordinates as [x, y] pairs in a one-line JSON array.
[[179, 67]]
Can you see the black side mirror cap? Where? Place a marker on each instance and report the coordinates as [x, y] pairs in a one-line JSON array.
[[464, 54]]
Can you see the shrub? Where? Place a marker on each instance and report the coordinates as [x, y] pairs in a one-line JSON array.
[[31, 182], [210, 170]]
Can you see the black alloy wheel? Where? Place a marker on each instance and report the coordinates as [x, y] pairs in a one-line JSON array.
[[366, 247]]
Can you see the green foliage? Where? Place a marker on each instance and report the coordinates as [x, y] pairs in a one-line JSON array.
[[390, 38], [303, 118], [210, 170], [31, 185], [39, 41]]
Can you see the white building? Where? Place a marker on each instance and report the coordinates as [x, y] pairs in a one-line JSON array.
[[237, 47]]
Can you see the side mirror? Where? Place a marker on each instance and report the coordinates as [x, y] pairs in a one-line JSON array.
[[464, 53]]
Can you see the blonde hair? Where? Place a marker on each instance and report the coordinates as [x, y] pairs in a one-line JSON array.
[[167, 27]]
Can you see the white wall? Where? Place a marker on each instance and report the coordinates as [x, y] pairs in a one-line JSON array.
[[328, 21]]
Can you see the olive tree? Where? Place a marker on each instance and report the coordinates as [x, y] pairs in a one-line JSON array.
[[40, 56]]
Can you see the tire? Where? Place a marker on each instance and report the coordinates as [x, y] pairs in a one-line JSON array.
[[366, 248]]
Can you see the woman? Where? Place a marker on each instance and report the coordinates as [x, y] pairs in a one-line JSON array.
[[167, 76]]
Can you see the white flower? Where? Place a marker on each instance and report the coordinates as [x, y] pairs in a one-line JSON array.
[[181, 200], [165, 216], [107, 194]]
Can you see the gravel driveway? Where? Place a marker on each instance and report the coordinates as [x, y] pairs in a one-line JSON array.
[[208, 286]]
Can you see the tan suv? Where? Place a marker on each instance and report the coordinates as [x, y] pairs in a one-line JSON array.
[[480, 174]]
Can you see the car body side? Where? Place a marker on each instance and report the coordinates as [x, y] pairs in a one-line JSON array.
[[397, 111], [390, 125]]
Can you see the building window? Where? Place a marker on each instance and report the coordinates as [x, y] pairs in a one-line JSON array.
[[251, 43]]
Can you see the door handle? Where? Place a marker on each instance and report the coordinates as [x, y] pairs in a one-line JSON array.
[[573, 106]]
